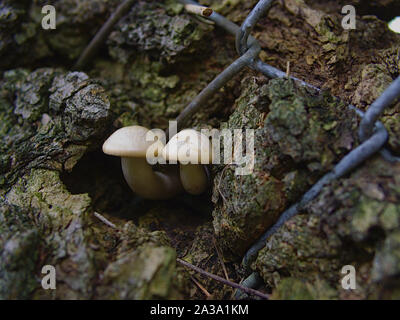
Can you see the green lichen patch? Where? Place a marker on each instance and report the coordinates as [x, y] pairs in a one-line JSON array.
[[147, 273], [298, 137], [49, 119], [64, 232], [295, 289], [309, 35], [353, 222], [63, 221], [156, 29], [20, 247], [374, 79], [53, 176]]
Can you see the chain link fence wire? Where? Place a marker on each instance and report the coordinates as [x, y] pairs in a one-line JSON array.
[[372, 133]]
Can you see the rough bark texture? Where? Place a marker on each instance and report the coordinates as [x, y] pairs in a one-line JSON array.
[[54, 177]]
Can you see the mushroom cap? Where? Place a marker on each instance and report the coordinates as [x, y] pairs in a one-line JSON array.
[[189, 146], [128, 142]]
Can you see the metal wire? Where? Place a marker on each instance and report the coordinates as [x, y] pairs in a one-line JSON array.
[[376, 109], [249, 23], [217, 83]]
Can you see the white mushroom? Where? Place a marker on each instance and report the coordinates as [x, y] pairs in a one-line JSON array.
[[130, 144], [191, 149]]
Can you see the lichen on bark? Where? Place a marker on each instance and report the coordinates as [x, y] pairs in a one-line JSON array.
[[298, 137], [353, 222], [53, 176], [51, 118]]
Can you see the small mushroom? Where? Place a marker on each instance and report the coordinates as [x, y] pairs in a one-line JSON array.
[[130, 144], [191, 149]]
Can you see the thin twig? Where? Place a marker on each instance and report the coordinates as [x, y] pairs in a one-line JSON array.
[[104, 220], [224, 281], [102, 34], [220, 258], [204, 290], [198, 10]]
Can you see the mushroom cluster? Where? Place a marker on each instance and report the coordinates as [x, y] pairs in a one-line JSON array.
[[189, 147]]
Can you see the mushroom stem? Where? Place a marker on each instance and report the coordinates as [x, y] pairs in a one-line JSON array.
[[194, 178], [150, 184]]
